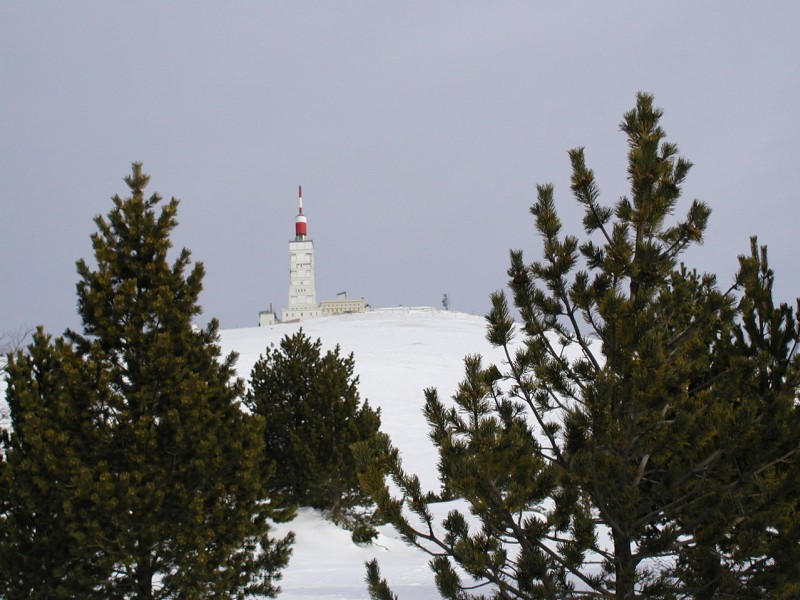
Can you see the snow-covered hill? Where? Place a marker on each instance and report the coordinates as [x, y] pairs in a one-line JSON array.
[[398, 352]]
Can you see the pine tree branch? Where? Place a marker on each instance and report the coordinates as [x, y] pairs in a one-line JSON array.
[[581, 341], [526, 396], [520, 534]]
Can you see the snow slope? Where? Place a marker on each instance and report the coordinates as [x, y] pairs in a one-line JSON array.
[[398, 352]]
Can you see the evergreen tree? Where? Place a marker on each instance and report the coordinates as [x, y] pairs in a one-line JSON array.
[[642, 438], [749, 547], [313, 414], [47, 483], [131, 470]]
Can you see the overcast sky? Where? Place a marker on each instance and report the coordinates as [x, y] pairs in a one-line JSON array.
[[418, 131]]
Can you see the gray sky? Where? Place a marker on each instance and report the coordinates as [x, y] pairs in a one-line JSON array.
[[418, 131]]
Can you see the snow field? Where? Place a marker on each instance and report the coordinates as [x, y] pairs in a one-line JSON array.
[[398, 353]]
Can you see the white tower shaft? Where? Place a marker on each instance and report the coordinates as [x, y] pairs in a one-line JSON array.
[[302, 291]]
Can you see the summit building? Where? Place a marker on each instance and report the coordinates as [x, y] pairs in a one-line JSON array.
[[302, 303]]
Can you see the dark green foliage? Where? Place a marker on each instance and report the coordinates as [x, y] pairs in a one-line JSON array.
[[378, 588], [750, 546], [46, 482], [641, 439], [132, 471], [313, 414]]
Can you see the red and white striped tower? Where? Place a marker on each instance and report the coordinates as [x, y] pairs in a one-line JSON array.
[[302, 292], [300, 221]]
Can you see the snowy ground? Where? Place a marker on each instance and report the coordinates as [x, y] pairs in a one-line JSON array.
[[398, 353]]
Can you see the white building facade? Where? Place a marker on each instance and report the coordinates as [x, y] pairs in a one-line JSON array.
[[342, 305]]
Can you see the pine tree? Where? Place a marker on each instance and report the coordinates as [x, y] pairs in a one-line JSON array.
[[749, 547], [313, 414], [47, 483], [642, 438], [132, 435]]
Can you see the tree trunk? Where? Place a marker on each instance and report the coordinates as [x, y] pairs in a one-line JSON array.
[[625, 568], [144, 580]]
